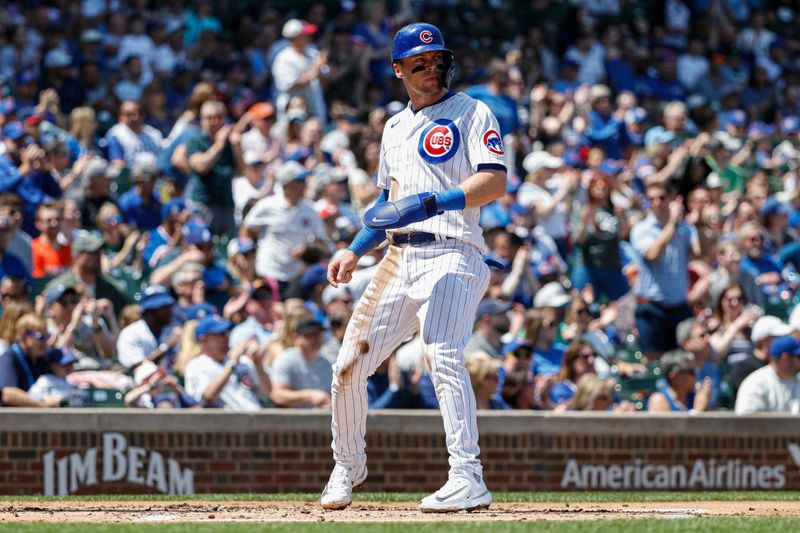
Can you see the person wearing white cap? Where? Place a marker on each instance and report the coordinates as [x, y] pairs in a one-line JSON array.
[[298, 67], [252, 185], [775, 387], [281, 223], [764, 331], [549, 194]]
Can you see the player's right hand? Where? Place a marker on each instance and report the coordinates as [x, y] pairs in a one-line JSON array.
[[340, 270]]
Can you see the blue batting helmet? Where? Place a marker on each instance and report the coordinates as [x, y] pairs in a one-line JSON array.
[[418, 38]]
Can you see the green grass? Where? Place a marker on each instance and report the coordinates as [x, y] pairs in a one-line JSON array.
[[700, 525], [534, 497]]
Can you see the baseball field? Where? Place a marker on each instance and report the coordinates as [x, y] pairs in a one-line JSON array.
[[389, 512]]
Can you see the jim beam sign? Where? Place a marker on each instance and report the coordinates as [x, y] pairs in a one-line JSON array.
[[717, 474], [120, 462]]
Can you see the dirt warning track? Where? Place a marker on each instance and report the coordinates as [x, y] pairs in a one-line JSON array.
[[265, 512]]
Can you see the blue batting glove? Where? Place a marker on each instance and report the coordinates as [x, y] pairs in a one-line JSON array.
[[399, 214]]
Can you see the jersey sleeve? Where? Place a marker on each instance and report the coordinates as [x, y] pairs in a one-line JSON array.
[[383, 181], [484, 143]]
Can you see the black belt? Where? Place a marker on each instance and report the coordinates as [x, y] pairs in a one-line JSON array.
[[412, 238]]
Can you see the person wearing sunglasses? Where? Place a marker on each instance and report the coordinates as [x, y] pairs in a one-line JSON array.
[[678, 366], [664, 243], [759, 264], [24, 362], [577, 362]]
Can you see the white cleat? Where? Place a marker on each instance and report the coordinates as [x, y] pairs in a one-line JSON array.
[[464, 491], [338, 493]]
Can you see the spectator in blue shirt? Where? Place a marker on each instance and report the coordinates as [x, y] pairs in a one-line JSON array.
[[10, 265], [680, 394], [23, 172], [495, 95], [165, 237], [762, 266], [692, 336], [606, 127], [663, 242], [131, 136], [140, 205]]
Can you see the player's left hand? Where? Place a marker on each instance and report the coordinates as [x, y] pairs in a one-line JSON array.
[[390, 215]]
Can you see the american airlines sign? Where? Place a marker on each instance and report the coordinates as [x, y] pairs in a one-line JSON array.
[[701, 474]]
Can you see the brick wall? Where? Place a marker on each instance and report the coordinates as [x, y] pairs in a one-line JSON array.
[[289, 451]]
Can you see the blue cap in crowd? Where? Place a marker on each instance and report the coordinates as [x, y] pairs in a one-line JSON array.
[[212, 325], [173, 207], [773, 206], [491, 306], [636, 115], [14, 130], [572, 158], [25, 76], [314, 275], [196, 232], [156, 297], [737, 118], [760, 128], [787, 344], [609, 167], [790, 125], [657, 134], [56, 356], [515, 345], [6, 106], [198, 311]]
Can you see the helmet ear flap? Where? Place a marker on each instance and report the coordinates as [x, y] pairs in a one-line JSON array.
[[449, 70]]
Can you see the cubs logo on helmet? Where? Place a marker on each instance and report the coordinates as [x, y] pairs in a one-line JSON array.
[[426, 36], [493, 142], [439, 141]]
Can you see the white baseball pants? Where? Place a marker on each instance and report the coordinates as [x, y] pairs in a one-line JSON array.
[[434, 288]]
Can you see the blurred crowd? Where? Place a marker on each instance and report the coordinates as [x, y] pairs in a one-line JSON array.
[[175, 175]]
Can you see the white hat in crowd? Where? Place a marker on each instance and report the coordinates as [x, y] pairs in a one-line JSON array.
[[769, 326], [538, 160], [552, 294]]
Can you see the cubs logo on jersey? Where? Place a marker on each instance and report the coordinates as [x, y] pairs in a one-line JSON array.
[[426, 36], [439, 141], [493, 142]]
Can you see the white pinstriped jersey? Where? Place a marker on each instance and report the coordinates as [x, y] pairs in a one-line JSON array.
[[435, 149]]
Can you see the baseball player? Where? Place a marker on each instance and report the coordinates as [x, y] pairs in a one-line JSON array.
[[441, 160]]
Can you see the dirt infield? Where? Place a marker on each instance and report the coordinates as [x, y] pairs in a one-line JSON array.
[[265, 512]]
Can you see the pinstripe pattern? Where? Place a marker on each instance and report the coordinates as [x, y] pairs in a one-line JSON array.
[[401, 161], [434, 289]]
